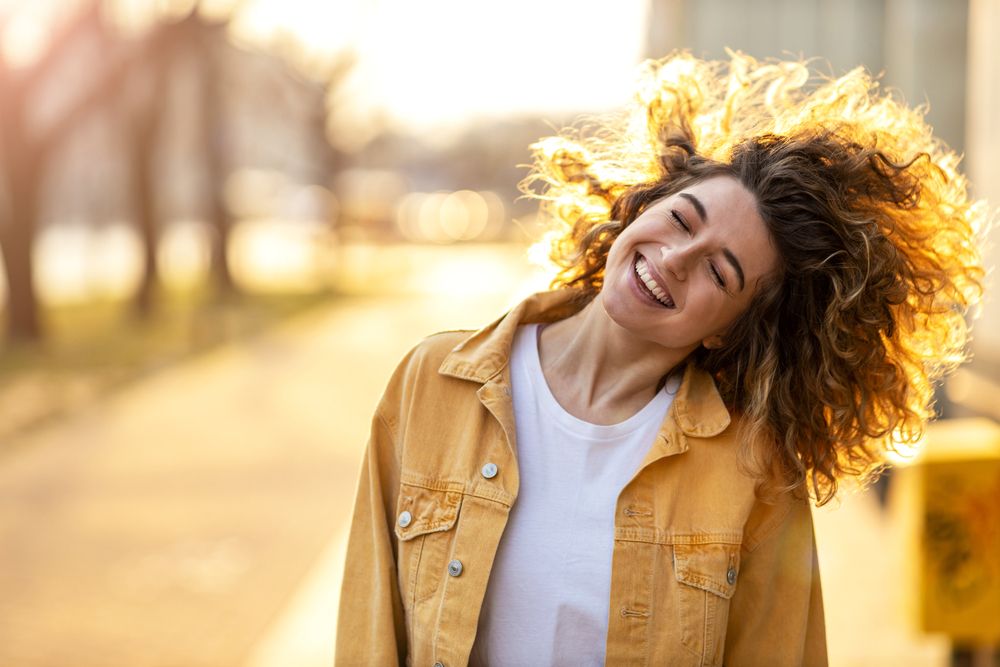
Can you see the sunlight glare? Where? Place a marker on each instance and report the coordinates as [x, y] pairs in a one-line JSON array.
[[463, 215], [132, 16], [435, 63], [76, 263], [323, 30], [428, 219], [23, 39], [184, 253], [276, 255], [465, 276]]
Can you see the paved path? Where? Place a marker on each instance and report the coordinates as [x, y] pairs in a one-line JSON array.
[[197, 518], [172, 524]]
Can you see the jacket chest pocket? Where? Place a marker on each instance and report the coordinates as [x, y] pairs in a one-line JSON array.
[[706, 580], [425, 519]]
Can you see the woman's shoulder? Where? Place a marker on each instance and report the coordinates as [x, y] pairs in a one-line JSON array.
[[429, 353], [432, 351]]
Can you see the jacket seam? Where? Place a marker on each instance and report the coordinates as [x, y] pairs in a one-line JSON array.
[[692, 539], [431, 484], [753, 542], [386, 424], [446, 486], [496, 498]]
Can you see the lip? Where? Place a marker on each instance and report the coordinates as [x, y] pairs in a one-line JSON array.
[[642, 289]]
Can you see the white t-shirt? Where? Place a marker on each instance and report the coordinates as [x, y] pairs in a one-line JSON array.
[[548, 594]]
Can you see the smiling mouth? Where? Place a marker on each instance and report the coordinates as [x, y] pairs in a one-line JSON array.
[[649, 285]]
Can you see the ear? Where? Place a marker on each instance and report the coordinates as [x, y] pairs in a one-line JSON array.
[[714, 342]]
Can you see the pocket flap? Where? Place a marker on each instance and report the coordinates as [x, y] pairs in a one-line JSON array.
[[427, 511], [711, 567]]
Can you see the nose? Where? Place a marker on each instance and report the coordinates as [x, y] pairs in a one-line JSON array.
[[675, 260]]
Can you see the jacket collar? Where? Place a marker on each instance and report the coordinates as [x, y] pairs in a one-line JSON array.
[[698, 407]]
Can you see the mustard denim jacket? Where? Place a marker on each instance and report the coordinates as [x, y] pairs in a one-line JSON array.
[[703, 573]]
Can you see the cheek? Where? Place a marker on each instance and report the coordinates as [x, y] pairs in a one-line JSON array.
[[628, 236], [713, 309], [729, 314], [619, 259]]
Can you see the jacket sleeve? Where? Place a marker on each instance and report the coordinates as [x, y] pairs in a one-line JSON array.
[[776, 613], [370, 623]]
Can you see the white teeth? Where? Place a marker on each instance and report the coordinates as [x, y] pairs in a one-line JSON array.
[[643, 272], [648, 279]]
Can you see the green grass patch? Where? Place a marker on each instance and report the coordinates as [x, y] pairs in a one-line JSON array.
[[93, 348]]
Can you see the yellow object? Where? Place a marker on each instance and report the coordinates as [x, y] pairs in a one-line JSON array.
[[950, 496]]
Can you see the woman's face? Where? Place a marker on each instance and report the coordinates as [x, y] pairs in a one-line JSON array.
[[689, 265]]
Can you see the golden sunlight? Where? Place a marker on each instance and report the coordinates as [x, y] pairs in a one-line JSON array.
[[441, 62], [435, 64]]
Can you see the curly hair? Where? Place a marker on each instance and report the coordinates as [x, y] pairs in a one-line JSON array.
[[834, 362]]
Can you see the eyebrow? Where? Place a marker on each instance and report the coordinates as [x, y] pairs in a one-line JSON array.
[[730, 257], [698, 206]]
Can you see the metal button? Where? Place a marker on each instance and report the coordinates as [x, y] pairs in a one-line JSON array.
[[731, 576], [489, 470], [455, 568], [404, 519], [438, 664]]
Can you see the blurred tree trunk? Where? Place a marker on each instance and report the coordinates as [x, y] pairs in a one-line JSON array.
[[26, 154], [21, 173], [207, 38], [24, 157], [143, 120]]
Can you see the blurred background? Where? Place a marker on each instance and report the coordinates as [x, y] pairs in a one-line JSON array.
[[223, 222]]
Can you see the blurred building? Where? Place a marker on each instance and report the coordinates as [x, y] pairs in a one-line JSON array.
[[920, 45]]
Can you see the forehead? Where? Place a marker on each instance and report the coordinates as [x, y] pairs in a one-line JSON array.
[[732, 221], [725, 199]]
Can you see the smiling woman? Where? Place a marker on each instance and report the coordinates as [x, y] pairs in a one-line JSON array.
[[834, 359], [761, 279], [676, 279]]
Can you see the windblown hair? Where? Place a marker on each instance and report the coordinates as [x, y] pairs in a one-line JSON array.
[[835, 361]]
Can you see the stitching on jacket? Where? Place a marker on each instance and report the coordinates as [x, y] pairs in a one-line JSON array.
[[475, 490], [435, 648], [655, 536], [388, 423], [430, 483], [493, 495]]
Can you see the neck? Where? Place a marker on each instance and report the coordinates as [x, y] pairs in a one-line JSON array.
[[599, 371]]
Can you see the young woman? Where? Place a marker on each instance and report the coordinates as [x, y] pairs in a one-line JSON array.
[[761, 279]]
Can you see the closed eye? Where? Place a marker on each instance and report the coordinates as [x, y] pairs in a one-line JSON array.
[[680, 221], [717, 277]]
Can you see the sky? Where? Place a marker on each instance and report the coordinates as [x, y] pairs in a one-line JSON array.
[[423, 64], [443, 60]]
